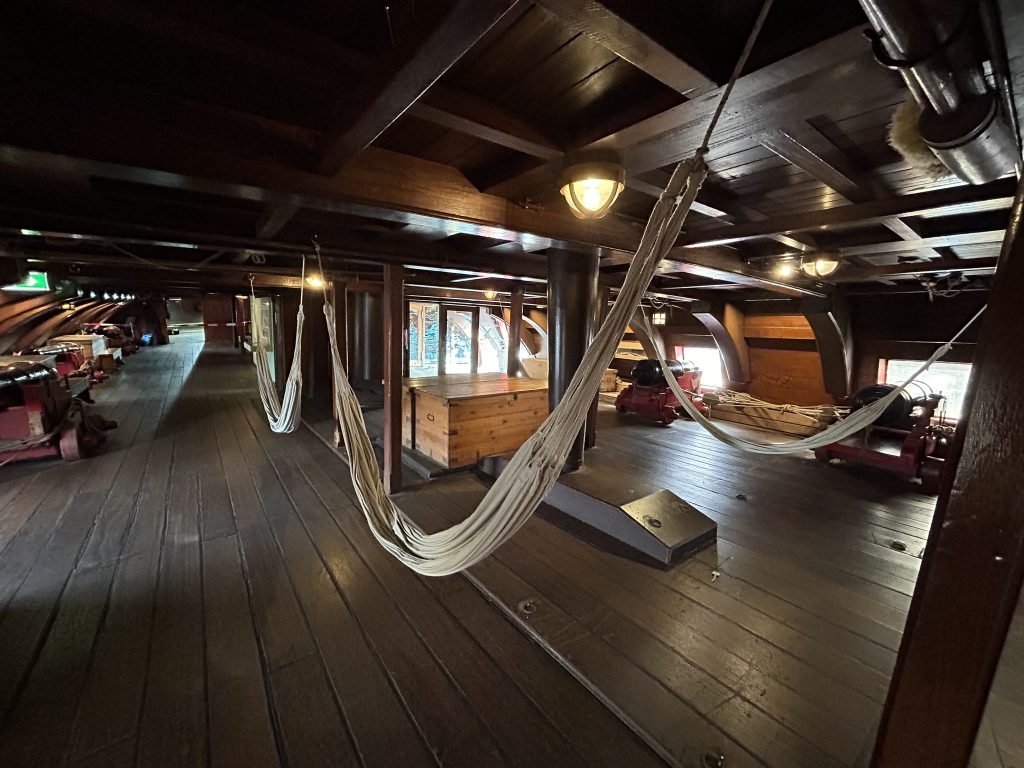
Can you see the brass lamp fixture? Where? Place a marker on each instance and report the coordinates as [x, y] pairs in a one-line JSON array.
[[591, 182], [820, 265]]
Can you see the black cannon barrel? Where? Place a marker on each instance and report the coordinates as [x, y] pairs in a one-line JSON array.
[[648, 373], [13, 376]]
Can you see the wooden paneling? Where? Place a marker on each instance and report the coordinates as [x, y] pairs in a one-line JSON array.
[[787, 376], [777, 327], [218, 317]]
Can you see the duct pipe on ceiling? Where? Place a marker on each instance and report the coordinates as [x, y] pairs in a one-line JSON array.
[[936, 48]]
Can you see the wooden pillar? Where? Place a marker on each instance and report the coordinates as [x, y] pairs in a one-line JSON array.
[[442, 340], [725, 324], [600, 313], [405, 339], [572, 293], [515, 330], [830, 324], [393, 346], [973, 563], [474, 341]]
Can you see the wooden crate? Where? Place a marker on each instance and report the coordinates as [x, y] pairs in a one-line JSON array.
[[456, 423]]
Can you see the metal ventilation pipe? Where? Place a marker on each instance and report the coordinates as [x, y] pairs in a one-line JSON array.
[[936, 48]]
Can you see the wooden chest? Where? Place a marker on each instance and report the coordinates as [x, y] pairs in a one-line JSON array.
[[458, 421]]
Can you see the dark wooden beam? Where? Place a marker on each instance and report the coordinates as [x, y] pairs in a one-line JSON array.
[[473, 116], [706, 263], [915, 269], [359, 122], [760, 100], [393, 355], [830, 323], [274, 218], [515, 329], [940, 202], [724, 322], [808, 149], [622, 38], [973, 565]]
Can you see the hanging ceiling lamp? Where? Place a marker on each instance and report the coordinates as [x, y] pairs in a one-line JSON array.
[[820, 265], [591, 182]]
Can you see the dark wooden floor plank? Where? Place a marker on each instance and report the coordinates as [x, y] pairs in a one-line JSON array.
[[234, 670], [37, 731], [444, 717], [360, 683], [173, 727], [470, 669]]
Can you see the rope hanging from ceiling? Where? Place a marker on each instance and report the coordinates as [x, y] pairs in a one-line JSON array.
[[283, 414], [535, 467]]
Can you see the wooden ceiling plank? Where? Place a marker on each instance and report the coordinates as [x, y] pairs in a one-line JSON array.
[[359, 124], [623, 39]]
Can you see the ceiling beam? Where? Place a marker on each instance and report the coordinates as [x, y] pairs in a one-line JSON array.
[[476, 117], [864, 274], [759, 101], [940, 202], [805, 147], [609, 29], [359, 121]]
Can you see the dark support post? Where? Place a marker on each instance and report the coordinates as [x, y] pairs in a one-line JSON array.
[[973, 564], [393, 345], [572, 294], [830, 323], [474, 342], [600, 313], [725, 324], [515, 330], [405, 340], [442, 340]]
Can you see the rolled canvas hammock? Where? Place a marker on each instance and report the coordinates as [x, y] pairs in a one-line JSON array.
[[852, 424], [283, 414]]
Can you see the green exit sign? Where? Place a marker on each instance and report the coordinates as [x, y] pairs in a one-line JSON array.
[[34, 281]]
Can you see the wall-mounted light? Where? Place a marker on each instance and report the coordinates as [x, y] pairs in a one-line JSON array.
[[315, 281], [820, 265], [490, 294], [591, 182], [92, 294]]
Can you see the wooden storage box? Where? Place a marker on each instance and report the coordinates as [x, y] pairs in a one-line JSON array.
[[456, 423], [610, 381], [92, 344]]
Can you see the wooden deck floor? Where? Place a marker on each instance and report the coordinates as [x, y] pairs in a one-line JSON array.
[[773, 648], [205, 593]]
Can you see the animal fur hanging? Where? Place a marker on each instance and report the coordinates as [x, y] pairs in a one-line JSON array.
[[906, 139]]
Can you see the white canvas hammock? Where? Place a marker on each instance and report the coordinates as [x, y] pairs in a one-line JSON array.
[[852, 424], [535, 467], [283, 414]]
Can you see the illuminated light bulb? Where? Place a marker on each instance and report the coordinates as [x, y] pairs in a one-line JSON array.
[[592, 184], [92, 294], [785, 270], [490, 294], [106, 297], [315, 281], [822, 266]]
